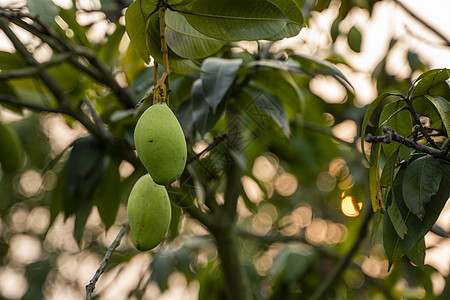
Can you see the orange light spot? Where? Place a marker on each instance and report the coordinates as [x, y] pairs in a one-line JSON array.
[[350, 207]]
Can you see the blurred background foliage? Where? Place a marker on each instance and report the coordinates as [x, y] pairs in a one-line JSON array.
[[69, 85]]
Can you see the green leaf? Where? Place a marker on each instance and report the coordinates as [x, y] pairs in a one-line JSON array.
[[161, 266], [417, 254], [9, 61], [271, 105], [397, 220], [443, 107], [185, 41], [218, 76], [291, 263], [313, 65], [46, 10], [428, 81], [280, 83], [398, 118], [108, 193], [387, 176], [424, 107], [79, 32], [396, 247], [421, 182], [136, 29], [145, 37], [202, 113], [374, 178], [367, 117], [84, 168], [236, 20], [391, 241], [377, 219], [335, 28], [354, 39], [292, 10], [414, 61]]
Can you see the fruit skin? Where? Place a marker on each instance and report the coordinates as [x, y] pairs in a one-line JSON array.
[[10, 149], [149, 213], [160, 143]]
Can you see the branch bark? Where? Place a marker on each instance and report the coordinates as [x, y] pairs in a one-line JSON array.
[[331, 280], [91, 286], [391, 135], [233, 269]]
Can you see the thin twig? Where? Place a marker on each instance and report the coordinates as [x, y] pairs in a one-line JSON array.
[[217, 140], [91, 286], [417, 18], [14, 102], [391, 135]]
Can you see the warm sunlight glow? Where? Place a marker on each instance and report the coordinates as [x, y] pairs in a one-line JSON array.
[[349, 207]]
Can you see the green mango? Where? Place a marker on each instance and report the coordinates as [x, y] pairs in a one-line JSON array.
[[149, 213], [160, 143], [11, 151]]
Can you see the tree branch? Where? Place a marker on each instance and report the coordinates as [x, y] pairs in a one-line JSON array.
[[391, 135], [101, 72], [52, 85], [34, 70], [424, 23], [14, 102], [325, 288], [91, 286]]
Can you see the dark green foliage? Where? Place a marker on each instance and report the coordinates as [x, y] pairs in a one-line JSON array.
[[256, 212]]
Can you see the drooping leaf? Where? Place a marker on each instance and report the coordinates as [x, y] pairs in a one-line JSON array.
[[376, 221], [443, 107], [217, 78], [187, 42], [84, 168], [202, 114], [396, 247], [387, 176], [108, 193], [391, 241], [374, 178], [354, 39], [314, 65], [421, 182], [397, 220], [417, 254], [235, 20], [271, 105]]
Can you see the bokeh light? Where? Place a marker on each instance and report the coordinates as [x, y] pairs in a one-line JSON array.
[[350, 207]]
